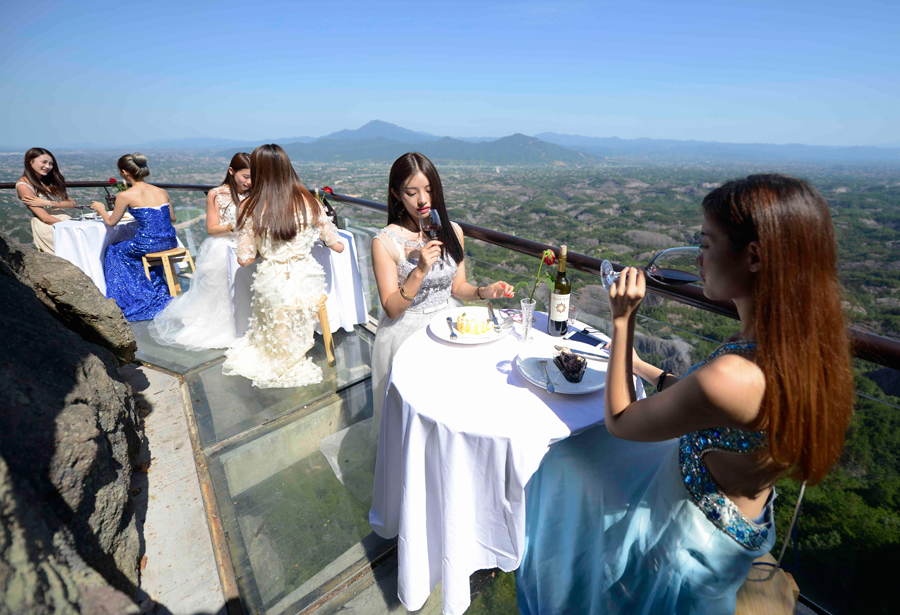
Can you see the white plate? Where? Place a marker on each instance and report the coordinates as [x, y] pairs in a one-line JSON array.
[[439, 327], [594, 376]]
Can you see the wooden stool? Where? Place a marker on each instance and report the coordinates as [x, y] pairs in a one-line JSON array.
[[326, 331], [167, 257]]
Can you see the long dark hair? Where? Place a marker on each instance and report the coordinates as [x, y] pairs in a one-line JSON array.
[[278, 200], [808, 400], [52, 185], [402, 170], [239, 162]]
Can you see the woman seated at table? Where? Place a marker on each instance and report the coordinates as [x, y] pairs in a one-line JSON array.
[[43, 190], [202, 317], [623, 518], [414, 281], [279, 222], [126, 281]]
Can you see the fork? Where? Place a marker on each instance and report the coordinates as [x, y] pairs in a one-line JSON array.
[[550, 387]]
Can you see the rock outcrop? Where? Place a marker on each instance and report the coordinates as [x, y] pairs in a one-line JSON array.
[[70, 296], [69, 435]]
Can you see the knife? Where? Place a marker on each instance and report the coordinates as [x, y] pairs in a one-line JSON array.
[[586, 355], [493, 316]]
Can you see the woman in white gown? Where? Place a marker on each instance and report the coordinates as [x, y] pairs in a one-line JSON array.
[[664, 508], [279, 222], [202, 317], [414, 282]]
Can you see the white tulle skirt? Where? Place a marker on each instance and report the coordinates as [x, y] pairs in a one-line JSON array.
[[202, 317]]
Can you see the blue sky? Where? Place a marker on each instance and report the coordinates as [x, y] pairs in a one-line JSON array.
[[823, 73]]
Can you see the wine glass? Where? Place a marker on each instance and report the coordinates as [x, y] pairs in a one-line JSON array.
[[674, 267], [431, 226]]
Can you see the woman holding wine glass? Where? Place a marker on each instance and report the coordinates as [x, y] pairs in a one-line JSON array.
[[419, 263], [42, 188], [665, 507]]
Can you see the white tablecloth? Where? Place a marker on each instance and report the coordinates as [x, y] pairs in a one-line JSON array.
[[461, 434], [83, 243], [346, 305]]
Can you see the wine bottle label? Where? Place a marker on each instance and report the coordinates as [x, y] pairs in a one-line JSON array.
[[559, 307]]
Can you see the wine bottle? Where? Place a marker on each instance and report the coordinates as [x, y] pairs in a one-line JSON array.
[[558, 322]]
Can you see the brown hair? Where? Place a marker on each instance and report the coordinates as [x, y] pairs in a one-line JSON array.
[[135, 164], [277, 196], [54, 184], [803, 348], [239, 162], [402, 170]]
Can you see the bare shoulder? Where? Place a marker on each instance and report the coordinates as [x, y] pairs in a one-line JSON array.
[[458, 230], [733, 385]]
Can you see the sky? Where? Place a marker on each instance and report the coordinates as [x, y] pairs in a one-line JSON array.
[[111, 74]]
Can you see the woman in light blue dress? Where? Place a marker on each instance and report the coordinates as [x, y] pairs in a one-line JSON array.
[[139, 298], [664, 508]]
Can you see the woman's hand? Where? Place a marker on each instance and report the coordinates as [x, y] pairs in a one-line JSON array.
[[98, 207], [32, 200], [429, 255], [626, 293], [497, 290]]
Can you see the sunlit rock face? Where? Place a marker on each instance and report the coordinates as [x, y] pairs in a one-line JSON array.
[[69, 435], [70, 296]]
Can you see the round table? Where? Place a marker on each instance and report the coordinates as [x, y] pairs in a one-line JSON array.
[[461, 434]]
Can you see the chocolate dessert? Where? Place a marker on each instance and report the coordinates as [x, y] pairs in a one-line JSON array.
[[571, 366]]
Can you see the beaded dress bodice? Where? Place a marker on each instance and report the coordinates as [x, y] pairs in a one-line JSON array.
[[698, 480], [434, 292]]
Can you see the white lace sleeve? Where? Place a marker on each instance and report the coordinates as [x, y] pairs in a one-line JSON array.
[[327, 230], [246, 244]]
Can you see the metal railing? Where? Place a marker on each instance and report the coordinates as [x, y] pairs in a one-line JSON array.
[[866, 346]]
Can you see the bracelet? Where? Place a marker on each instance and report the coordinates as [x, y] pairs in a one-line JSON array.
[[661, 381], [404, 295], [478, 293]]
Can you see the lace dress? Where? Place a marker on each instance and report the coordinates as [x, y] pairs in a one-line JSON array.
[[614, 526], [41, 232], [351, 452], [126, 282], [202, 317], [287, 288]]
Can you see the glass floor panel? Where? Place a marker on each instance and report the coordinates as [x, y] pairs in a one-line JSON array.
[[225, 406], [294, 532]]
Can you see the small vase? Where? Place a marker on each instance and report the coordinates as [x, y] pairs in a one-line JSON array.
[[110, 202], [527, 316]]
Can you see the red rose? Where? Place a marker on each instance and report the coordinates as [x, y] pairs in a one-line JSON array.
[[112, 181], [549, 257], [328, 190]]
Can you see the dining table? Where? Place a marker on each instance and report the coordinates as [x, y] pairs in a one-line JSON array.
[[83, 242], [461, 433]]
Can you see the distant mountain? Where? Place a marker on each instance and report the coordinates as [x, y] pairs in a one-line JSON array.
[[515, 149], [671, 150], [376, 129]]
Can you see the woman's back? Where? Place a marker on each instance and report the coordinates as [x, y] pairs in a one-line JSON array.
[[143, 194]]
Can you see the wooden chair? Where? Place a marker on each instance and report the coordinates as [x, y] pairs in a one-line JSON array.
[[167, 257], [326, 331], [777, 596]]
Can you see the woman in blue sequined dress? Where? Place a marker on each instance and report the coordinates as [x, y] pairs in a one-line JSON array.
[[664, 508], [126, 282]]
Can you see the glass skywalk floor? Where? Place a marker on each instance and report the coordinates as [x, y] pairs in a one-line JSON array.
[[297, 538]]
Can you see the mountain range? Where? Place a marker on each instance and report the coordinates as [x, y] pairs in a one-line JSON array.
[[380, 141]]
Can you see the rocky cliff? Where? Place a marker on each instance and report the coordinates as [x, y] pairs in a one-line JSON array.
[[69, 435]]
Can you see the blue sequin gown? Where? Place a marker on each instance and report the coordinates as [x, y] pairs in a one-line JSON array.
[[614, 526], [126, 282]]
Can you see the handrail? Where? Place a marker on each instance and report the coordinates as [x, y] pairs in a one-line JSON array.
[[867, 346]]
